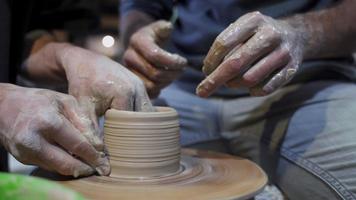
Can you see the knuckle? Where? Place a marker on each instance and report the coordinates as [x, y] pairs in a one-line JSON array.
[[128, 90], [25, 148], [220, 42], [268, 30], [271, 33], [150, 86], [134, 38], [129, 58], [285, 53], [153, 54], [65, 169], [126, 57], [157, 75], [20, 142], [257, 15], [82, 146], [249, 80], [69, 99], [233, 66], [49, 120]]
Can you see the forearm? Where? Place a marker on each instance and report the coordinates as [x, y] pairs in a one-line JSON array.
[[328, 33], [131, 22], [5, 90], [44, 65]]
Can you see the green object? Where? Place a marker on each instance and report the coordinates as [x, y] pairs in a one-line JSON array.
[[19, 187]]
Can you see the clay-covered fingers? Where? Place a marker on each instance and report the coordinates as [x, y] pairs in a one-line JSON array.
[[239, 61], [152, 88], [142, 101], [236, 34], [131, 96], [74, 142], [262, 69], [250, 52], [275, 81], [82, 115], [161, 30], [138, 63], [146, 42], [54, 158], [73, 130], [155, 66], [154, 78]]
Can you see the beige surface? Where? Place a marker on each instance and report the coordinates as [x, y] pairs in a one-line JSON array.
[[147, 163], [204, 175]]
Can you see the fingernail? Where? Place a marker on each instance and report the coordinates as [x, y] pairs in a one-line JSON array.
[[182, 61], [200, 90], [83, 171], [104, 168], [204, 69], [99, 170], [102, 155]]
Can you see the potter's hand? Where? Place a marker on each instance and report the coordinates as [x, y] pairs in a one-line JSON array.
[[257, 52], [48, 129], [155, 66], [99, 83]]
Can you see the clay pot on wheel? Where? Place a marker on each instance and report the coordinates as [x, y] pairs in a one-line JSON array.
[[142, 144]]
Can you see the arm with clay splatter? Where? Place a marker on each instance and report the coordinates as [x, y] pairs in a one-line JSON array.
[[262, 54]]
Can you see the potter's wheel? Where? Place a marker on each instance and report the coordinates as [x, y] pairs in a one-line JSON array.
[[147, 163], [203, 175]]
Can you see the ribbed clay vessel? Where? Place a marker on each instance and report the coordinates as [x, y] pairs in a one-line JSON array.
[[143, 144]]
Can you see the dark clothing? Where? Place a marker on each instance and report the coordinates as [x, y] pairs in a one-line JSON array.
[[200, 21], [4, 41], [4, 61]]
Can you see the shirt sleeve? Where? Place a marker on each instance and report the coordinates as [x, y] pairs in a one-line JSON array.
[[159, 9]]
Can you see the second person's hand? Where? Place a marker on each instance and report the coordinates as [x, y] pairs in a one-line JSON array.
[[154, 65], [256, 52]]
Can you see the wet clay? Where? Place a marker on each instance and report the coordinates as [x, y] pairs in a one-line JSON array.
[[142, 144], [147, 163]]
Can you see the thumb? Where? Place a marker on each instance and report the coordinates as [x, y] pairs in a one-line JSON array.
[[162, 30]]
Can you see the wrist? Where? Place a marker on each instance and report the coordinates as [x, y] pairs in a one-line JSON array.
[[44, 66], [62, 52], [5, 88], [5, 91], [303, 35]]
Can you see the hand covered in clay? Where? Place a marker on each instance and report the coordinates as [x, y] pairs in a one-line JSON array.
[[144, 56], [48, 129], [256, 52], [98, 83]]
